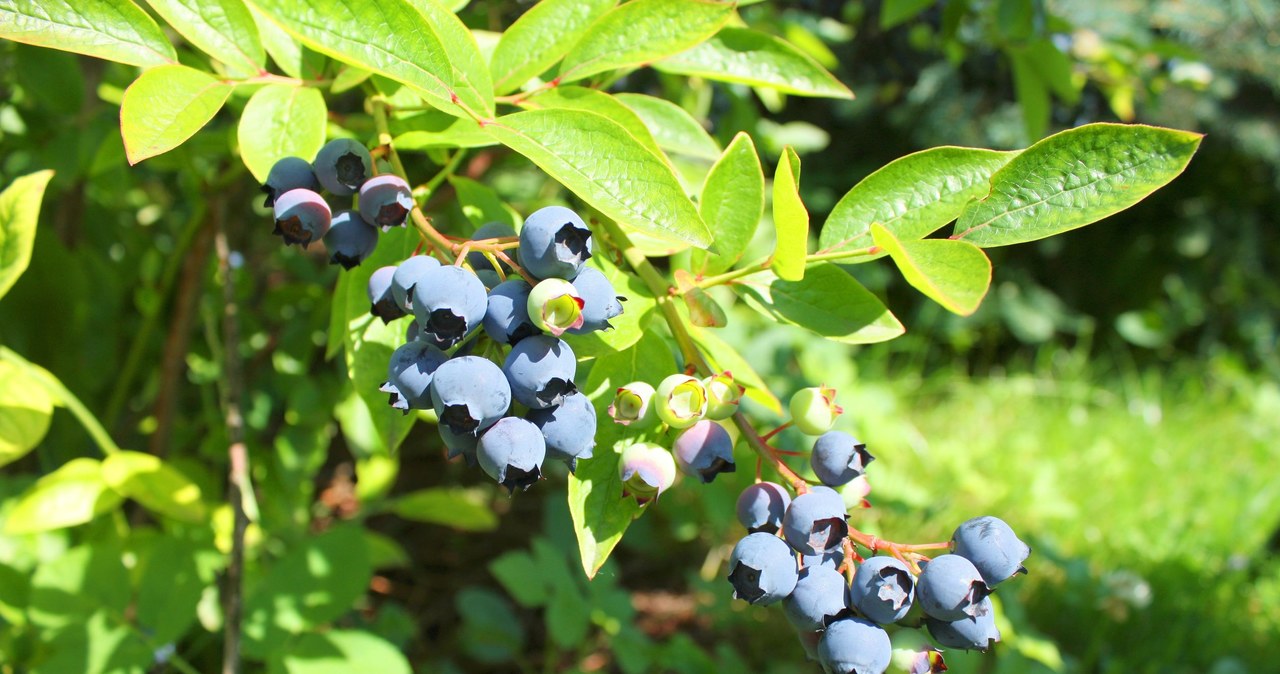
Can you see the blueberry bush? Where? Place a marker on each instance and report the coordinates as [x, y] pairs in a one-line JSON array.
[[539, 222]]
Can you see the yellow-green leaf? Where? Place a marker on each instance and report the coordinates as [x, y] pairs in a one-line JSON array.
[[750, 57], [955, 274], [156, 485], [19, 211], [25, 411], [70, 495], [539, 38], [731, 204], [281, 121], [827, 302], [223, 29], [464, 509], [116, 30], [165, 106], [790, 219], [642, 31]]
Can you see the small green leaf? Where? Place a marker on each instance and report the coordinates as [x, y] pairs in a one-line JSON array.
[[540, 37], [462, 509], [19, 211], [522, 578], [26, 409], [165, 106], [790, 219], [911, 196], [955, 274], [491, 631], [894, 12], [343, 650], [827, 301], [568, 618], [470, 68], [674, 128], [281, 121], [723, 357], [642, 31], [750, 57], [156, 485], [71, 495], [115, 30], [704, 311], [294, 59], [223, 29], [1075, 178], [482, 204], [593, 100], [434, 129], [1032, 93], [731, 204], [606, 167]]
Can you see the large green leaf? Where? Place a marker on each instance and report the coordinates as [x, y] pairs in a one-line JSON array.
[[346, 651], [593, 100], [389, 37], [540, 37], [827, 301], [750, 57], [955, 274], [158, 486], [600, 513], [470, 67], [19, 211], [294, 59], [640, 32], [73, 494], [675, 129], [464, 509], [116, 30], [606, 167], [223, 29], [169, 588], [281, 121], [911, 196], [1075, 178], [790, 219], [26, 409], [65, 590], [165, 106], [731, 204]]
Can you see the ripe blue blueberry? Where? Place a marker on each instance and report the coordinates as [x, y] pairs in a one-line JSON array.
[[541, 371], [762, 569], [882, 590], [599, 301], [506, 318], [817, 599], [350, 239], [646, 470], [290, 173], [975, 632], [704, 450], [838, 458], [469, 394], [463, 445], [569, 428], [301, 216], [488, 232], [385, 201], [511, 452], [815, 522], [554, 243], [342, 166], [992, 546], [409, 375], [382, 303], [854, 646], [407, 275], [831, 559], [761, 507], [950, 588], [449, 303]]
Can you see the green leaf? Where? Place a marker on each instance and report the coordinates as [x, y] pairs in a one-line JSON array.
[[911, 196], [731, 204], [674, 128], [955, 274], [1032, 93], [158, 486], [1075, 178], [169, 589], [600, 514], [281, 121], [346, 651], [115, 30], [373, 34], [827, 301], [539, 38], [98, 643], [73, 494], [223, 29], [481, 204], [750, 57], [894, 12], [606, 167], [470, 68], [165, 106], [434, 129], [491, 631], [82, 580], [642, 31], [593, 100], [288, 53], [568, 618], [462, 509], [704, 311], [790, 219], [723, 357], [19, 211], [522, 578]]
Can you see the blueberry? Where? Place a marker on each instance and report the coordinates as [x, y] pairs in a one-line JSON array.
[[950, 588], [290, 173], [342, 166], [541, 371], [704, 450], [409, 375], [382, 304], [817, 600], [469, 394], [554, 243], [350, 239], [854, 646], [838, 458], [815, 522], [633, 405], [646, 470], [413, 332], [449, 303], [912, 654], [301, 216], [554, 306], [970, 632], [506, 318], [762, 569], [463, 445], [831, 559], [511, 452], [599, 301], [680, 400], [489, 278], [992, 547], [408, 273], [569, 428], [761, 507], [809, 642], [814, 409], [385, 201], [882, 590], [723, 394], [488, 232]]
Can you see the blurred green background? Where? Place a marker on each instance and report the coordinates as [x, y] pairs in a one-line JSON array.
[[1115, 399]]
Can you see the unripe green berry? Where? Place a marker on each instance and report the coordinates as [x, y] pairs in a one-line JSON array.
[[633, 405], [723, 394], [681, 401], [554, 306], [814, 409], [913, 654]]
